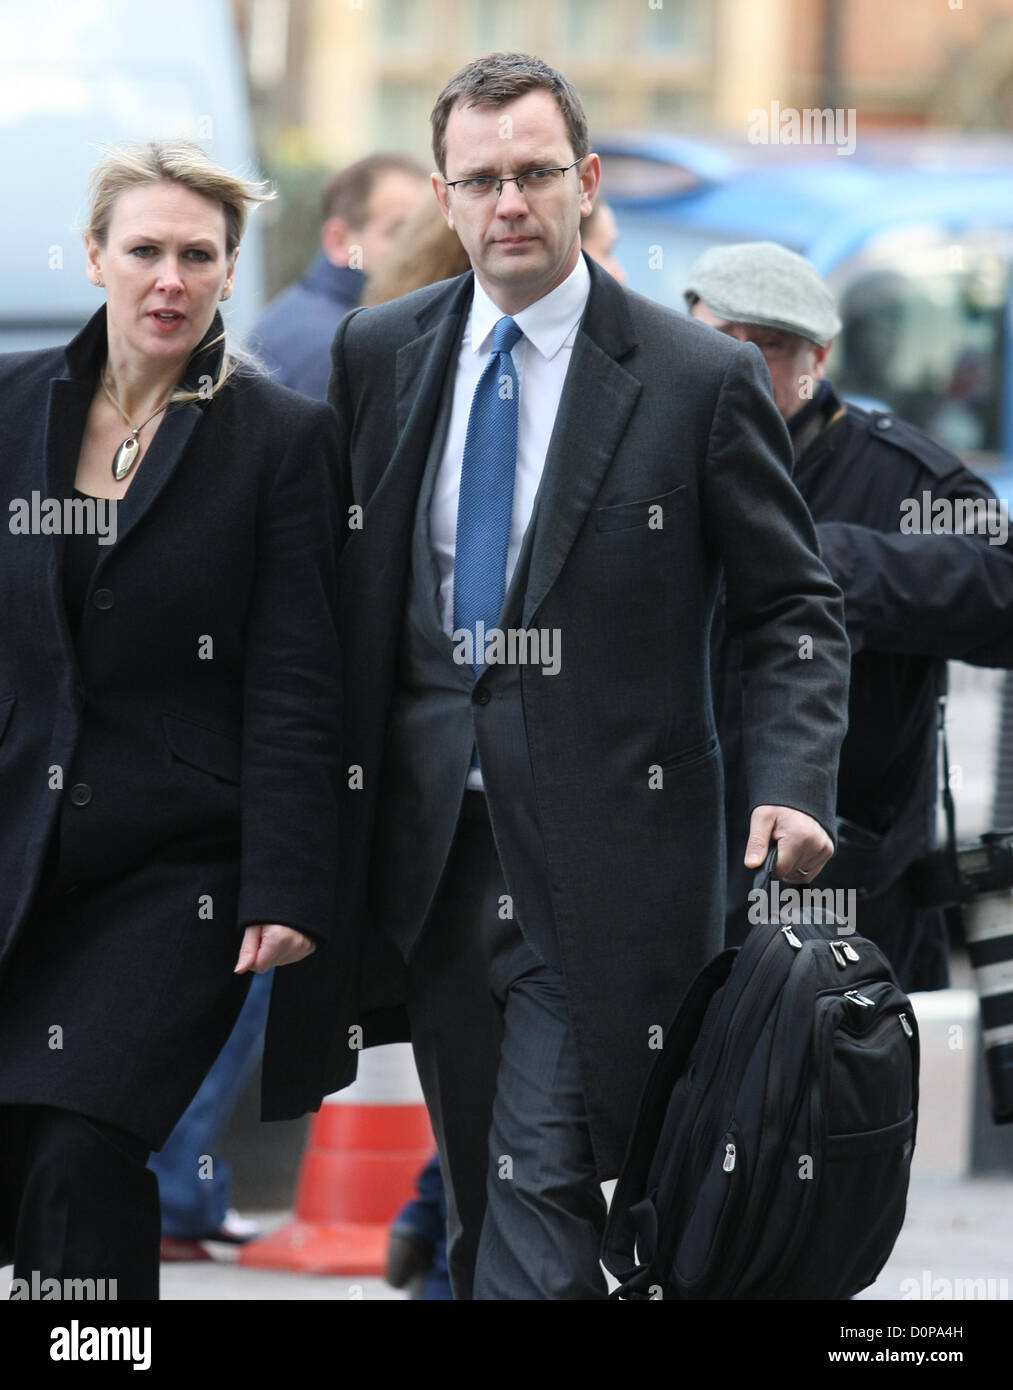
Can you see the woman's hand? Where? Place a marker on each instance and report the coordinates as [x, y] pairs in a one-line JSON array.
[[271, 944]]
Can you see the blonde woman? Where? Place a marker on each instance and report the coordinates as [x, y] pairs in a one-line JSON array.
[[168, 713]]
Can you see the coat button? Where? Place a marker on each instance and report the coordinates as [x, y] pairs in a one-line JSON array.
[[884, 422], [103, 598], [80, 794], [481, 695]]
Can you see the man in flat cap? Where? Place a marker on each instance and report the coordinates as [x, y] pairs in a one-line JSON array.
[[912, 599]]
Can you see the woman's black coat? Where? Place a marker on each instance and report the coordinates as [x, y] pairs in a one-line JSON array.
[[175, 778]]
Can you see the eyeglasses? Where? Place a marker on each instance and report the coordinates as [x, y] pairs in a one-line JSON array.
[[532, 181]]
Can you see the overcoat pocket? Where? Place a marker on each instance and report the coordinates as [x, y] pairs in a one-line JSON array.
[[7, 703], [206, 749], [622, 515], [696, 753]]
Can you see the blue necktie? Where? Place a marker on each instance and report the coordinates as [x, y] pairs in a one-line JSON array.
[[486, 498]]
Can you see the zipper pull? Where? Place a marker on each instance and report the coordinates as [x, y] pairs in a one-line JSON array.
[[850, 951], [791, 938], [906, 1026], [839, 961], [729, 1162], [861, 999]]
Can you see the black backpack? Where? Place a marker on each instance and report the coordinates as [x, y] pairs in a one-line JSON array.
[[772, 1148]]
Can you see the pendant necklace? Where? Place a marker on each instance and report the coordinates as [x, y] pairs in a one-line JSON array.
[[129, 451]]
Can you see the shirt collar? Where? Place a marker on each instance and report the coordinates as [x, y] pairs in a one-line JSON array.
[[547, 323]]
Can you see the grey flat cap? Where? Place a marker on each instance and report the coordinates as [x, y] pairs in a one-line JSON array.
[[761, 282]]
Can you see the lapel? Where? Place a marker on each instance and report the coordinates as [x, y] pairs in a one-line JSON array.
[[421, 368], [425, 570], [70, 398], [598, 398], [66, 413]]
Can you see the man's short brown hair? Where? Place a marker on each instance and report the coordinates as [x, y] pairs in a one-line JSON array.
[[347, 194], [502, 77]]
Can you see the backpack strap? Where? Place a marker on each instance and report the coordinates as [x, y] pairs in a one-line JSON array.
[[621, 1230], [763, 875], [627, 1203]]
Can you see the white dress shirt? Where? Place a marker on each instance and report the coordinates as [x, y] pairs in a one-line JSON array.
[[541, 359]]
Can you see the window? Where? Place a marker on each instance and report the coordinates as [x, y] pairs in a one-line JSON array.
[[678, 27], [402, 113], [673, 108], [923, 332], [489, 29], [587, 27], [404, 23]]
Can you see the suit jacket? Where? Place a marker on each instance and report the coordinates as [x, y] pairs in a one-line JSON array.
[[201, 703], [668, 462]]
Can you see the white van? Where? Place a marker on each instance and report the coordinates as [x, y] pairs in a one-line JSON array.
[[75, 74]]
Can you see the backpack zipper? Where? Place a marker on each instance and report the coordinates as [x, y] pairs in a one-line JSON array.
[[719, 1067], [861, 999], [745, 1246], [741, 1248], [847, 952]]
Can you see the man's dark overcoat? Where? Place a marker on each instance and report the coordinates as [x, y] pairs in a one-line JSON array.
[[668, 463]]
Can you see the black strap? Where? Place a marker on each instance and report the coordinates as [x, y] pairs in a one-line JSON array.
[[763, 875], [934, 879], [949, 806], [636, 1276], [677, 1044]]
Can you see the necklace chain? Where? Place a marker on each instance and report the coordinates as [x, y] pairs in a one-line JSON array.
[[129, 451], [133, 430]]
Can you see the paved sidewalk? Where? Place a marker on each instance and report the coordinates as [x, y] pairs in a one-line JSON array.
[[956, 1230]]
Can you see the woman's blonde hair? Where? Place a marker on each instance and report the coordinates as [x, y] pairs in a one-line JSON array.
[[423, 250], [185, 162]]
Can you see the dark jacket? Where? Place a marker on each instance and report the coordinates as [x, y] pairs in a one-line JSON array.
[[911, 601], [294, 333], [201, 704], [659, 418]]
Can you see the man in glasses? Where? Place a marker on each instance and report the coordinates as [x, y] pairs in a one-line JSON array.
[[551, 472]]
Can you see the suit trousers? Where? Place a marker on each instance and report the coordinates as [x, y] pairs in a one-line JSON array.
[[498, 1066], [76, 1201]]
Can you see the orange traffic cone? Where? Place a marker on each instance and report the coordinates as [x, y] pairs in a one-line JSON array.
[[366, 1146]]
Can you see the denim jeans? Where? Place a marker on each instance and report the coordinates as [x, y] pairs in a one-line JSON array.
[[195, 1192]]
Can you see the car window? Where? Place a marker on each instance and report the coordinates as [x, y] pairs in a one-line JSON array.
[[923, 331]]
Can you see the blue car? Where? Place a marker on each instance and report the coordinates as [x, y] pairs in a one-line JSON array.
[[914, 233]]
